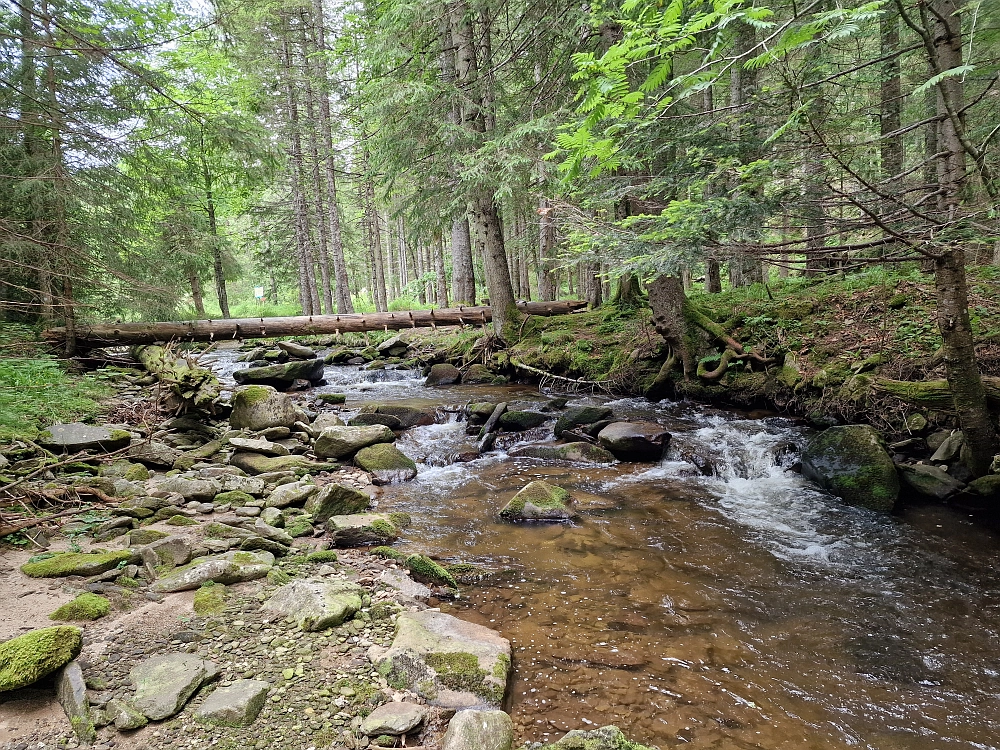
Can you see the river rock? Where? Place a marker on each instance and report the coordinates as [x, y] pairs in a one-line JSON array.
[[393, 719], [316, 604], [263, 447], [154, 453], [365, 419], [293, 493], [386, 463], [578, 416], [282, 376], [480, 730], [299, 351], [635, 441], [75, 436], [336, 500], [412, 413], [171, 552], [950, 447], [71, 691], [478, 375], [518, 421], [202, 490], [362, 530], [236, 705], [405, 585], [273, 533], [582, 453], [929, 481], [443, 374], [30, 657], [254, 463], [341, 442], [76, 564], [988, 486], [605, 738], [229, 567], [447, 661], [163, 684], [124, 469], [125, 716], [539, 501], [394, 347], [851, 462], [257, 407]]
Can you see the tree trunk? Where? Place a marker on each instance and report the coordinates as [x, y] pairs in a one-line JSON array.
[[627, 293], [891, 99], [463, 277], [439, 271], [546, 249], [373, 225], [196, 293], [949, 278], [219, 270], [713, 276]]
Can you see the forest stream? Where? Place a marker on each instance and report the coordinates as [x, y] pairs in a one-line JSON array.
[[732, 605]]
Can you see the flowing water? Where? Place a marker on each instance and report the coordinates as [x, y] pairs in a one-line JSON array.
[[716, 600]]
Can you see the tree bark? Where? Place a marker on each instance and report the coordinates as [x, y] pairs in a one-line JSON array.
[[441, 277], [213, 230], [546, 250], [196, 293], [713, 276], [891, 99], [463, 279]]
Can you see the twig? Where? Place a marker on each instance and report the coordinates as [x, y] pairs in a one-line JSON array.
[[5, 530]]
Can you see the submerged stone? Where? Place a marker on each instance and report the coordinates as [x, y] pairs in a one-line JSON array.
[[539, 501]]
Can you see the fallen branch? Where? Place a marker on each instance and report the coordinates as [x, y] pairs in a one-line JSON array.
[[933, 394], [6, 530], [560, 378]]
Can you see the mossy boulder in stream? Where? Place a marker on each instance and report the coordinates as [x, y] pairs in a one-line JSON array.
[[605, 738], [851, 462], [583, 453], [443, 374], [518, 421], [75, 563], [539, 501], [410, 413], [362, 530], [30, 657], [257, 407], [386, 463], [581, 415], [335, 500], [342, 442]]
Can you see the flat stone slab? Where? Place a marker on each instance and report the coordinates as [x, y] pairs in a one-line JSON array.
[[362, 530], [447, 661], [71, 690], [340, 442], [263, 447], [237, 705], [479, 730], [316, 604], [227, 568], [76, 436], [163, 684], [582, 453], [393, 719], [405, 585]]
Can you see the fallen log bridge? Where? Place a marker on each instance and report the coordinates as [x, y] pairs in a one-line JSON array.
[[132, 334]]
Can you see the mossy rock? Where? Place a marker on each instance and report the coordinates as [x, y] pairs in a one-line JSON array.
[[795, 309], [299, 528], [142, 537], [322, 556], [539, 501], [605, 738], [518, 421], [28, 658], [255, 463], [851, 462], [366, 419], [335, 500], [362, 530], [75, 564], [413, 413], [387, 553], [235, 498], [581, 415], [210, 598], [133, 472], [988, 486], [426, 570], [332, 398], [179, 520], [386, 463], [85, 607], [477, 375]]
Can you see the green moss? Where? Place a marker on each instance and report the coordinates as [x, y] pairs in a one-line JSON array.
[[322, 556], [210, 599], [460, 671], [388, 553], [246, 558], [502, 668], [28, 658], [384, 528], [425, 569], [402, 520], [179, 520], [127, 582], [75, 563], [254, 394], [86, 606], [142, 537], [385, 740], [278, 577], [384, 610], [299, 528], [235, 498]]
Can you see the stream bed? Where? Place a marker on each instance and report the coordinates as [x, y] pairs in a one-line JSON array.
[[727, 606]]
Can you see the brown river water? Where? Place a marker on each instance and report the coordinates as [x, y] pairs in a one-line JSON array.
[[744, 609]]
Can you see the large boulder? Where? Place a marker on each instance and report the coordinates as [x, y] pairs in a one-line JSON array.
[[316, 604], [74, 437], [341, 442], [443, 375], [236, 705], [229, 567], [255, 463], [257, 407], [386, 463], [410, 413], [988, 486], [929, 481], [635, 441], [76, 564], [518, 421], [479, 730], [282, 375], [259, 445], [336, 500], [851, 462], [581, 415], [202, 490], [478, 375], [293, 493], [539, 501], [30, 657], [362, 530], [447, 661], [582, 453], [154, 453], [163, 684]]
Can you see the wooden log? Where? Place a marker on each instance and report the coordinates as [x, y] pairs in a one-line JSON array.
[[188, 385], [933, 394], [131, 334]]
